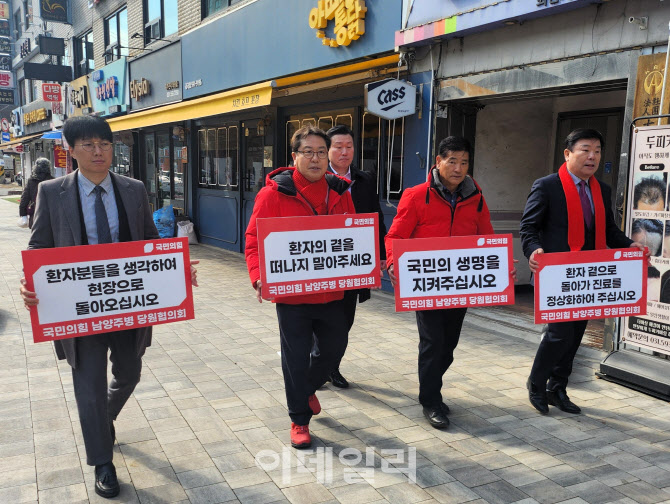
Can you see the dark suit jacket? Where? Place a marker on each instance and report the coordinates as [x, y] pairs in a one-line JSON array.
[[366, 200], [58, 224], [545, 219]]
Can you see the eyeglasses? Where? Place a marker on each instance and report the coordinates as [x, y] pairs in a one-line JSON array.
[[90, 146], [322, 154]]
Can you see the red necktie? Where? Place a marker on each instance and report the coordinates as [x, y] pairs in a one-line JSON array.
[[586, 204]]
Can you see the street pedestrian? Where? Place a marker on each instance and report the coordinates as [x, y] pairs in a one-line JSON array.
[[303, 190], [41, 172], [364, 194], [90, 206], [449, 203], [565, 212]]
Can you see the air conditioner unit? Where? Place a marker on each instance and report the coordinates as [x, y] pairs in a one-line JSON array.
[[152, 31]]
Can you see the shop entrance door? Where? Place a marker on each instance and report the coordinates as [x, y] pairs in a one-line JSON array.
[[253, 170]]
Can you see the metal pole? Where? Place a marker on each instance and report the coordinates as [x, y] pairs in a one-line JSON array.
[[665, 76], [430, 112]]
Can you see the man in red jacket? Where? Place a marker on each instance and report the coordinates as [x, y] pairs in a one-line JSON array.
[[304, 190], [449, 203]]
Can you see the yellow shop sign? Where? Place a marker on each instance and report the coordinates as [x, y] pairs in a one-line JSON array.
[[349, 16]]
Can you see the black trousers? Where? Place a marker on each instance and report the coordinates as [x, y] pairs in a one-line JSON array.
[[99, 404], [300, 328], [557, 350], [439, 331], [349, 307]]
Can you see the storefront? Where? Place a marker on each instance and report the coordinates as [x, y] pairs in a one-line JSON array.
[[36, 119], [311, 76], [516, 100], [155, 81], [109, 98]]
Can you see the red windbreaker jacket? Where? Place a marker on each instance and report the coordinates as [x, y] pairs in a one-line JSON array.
[[424, 213], [279, 198]]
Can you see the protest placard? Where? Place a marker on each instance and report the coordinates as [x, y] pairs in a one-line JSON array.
[[316, 254], [592, 284], [95, 289], [459, 271]]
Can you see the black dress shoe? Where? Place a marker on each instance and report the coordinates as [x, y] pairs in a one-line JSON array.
[[338, 380], [537, 397], [445, 409], [560, 399], [106, 484], [436, 416]]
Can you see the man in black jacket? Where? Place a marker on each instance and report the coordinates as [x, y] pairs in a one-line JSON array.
[[545, 227], [366, 200]]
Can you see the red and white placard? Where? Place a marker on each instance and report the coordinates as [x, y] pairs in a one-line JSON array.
[[95, 289], [455, 272], [592, 284], [317, 254]]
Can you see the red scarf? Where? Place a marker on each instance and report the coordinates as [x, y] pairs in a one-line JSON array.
[[575, 214], [315, 193]]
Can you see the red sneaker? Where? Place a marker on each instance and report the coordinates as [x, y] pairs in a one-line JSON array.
[[314, 404], [300, 437]]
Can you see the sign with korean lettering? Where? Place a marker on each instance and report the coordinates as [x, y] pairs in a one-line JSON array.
[[51, 92], [5, 63], [60, 157], [648, 222], [592, 284], [349, 16], [459, 271], [4, 28], [7, 96], [310, 255], [102, 288], [4, 10], [6, 80]]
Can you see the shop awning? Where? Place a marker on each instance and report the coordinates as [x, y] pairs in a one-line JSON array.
[[17, 141], [256, 95], [53, 135]]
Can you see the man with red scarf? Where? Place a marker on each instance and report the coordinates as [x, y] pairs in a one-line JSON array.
[[319, 318], [567, 211]]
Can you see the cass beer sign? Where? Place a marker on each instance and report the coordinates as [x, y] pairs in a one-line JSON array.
[[390, 98]]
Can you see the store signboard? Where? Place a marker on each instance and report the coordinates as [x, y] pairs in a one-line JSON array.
[[390, 98], [6, 80], [109, 88], [649, 222], [155, 79], [78, 97]]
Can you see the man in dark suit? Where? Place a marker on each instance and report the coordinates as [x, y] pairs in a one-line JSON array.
[[566, 211], [366, 200], [88, 207]]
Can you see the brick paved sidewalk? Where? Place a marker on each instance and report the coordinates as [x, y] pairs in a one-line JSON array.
[[208, 421]]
